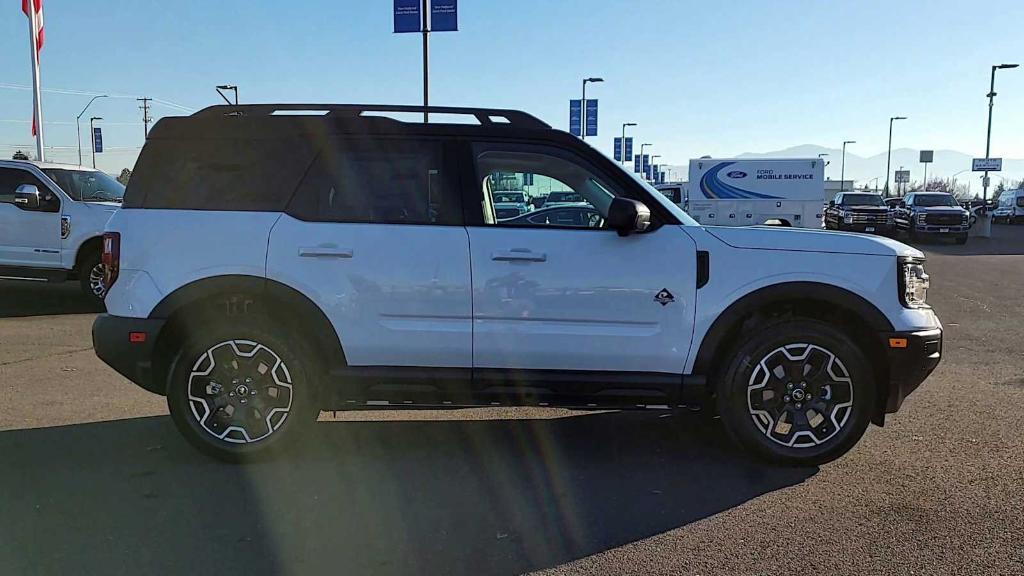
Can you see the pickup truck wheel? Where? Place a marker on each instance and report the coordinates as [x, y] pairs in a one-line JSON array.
[[796, 392], [91, 275], [239, 388]]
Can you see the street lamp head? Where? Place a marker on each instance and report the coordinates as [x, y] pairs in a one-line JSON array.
[[593, 79], [630, 124], [821, 154], [849, 141], [898, 118], [1006, 66], [95, 118], [226, 87]]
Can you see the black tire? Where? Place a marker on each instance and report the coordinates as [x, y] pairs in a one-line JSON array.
[[88, 268], [272, 388], [835, 377], [961, 239]]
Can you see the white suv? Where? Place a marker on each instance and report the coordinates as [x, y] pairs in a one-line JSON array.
[[51, 222], [266, 265]]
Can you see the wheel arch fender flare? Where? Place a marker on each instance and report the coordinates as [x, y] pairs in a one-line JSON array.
[[285, 303], [768, 296]]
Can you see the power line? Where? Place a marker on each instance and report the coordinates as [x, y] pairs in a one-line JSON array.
[[72, 92]]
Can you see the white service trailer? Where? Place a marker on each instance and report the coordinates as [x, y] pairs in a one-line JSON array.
[[739, 192]]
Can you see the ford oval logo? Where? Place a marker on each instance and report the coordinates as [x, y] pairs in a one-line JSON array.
[[737, 174]]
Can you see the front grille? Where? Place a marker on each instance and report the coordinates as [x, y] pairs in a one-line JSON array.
[[943, 219], [868, 218]]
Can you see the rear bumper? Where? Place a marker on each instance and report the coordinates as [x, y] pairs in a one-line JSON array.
[[111, 338], [909, 366]]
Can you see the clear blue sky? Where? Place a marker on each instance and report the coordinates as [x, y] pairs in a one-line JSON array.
[[718, 78]]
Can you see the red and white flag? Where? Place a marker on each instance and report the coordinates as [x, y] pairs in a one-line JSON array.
[[36, 19]]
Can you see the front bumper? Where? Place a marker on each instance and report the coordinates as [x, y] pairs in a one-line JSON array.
[[127, 346], [941, 229], [909, 365], [877, 228]]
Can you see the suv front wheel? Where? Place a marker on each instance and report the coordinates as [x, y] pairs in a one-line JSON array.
[[797, 392], [237, 388]]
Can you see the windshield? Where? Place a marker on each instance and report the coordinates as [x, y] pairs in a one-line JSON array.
[[564, 197], [862, 200], [87, 185], [509, 197], [935, 200]]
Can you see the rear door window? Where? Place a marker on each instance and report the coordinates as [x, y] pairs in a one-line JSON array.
[[382, 181]]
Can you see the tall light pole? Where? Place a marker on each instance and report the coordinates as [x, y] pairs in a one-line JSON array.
[[228, 87], [78, 125], [988, 136], [654, 176], [583, 105], [642, 146], [622, 143], [842, 171], [888, 161], [92, 133]]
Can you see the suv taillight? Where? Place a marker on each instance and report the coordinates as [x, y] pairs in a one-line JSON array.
[[111, 257]]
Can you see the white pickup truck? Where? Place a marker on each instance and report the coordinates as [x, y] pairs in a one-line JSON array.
[[51, 222]]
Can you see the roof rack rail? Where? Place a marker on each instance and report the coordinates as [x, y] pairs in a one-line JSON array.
[[485, 116]]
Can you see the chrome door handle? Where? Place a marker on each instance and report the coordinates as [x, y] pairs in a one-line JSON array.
[[324, 252], [519, 255]]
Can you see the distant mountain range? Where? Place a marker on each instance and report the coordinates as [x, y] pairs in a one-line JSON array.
[[864, 170]]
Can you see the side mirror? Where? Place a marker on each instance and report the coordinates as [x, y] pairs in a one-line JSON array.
[[831, 203], [627, 216], [27, 197]]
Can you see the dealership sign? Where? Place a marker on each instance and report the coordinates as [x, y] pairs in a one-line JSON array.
[[987, 164]]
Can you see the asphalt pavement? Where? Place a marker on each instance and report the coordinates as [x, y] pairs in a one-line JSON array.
[[94, 479]]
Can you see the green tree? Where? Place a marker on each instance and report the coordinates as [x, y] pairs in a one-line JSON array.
[[126, 175]]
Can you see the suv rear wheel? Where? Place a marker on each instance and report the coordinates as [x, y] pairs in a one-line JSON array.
[[797, 392], [237, 388]]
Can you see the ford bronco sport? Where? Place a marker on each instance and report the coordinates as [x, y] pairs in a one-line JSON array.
[[273, 260]]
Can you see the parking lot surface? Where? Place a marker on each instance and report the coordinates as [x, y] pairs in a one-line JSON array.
[[95, 479]]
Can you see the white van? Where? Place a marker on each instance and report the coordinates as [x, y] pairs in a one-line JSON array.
[[1011, 207]]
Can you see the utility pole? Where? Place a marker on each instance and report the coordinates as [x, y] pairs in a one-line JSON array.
[[426, 60], [622, 143], [145, 115], [583, 106], [888, 161], [842, 171]]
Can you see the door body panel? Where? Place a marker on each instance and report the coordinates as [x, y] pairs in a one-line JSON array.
[[582, 299]]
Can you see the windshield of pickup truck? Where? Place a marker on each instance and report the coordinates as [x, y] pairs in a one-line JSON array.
[[862, 200], [509, 198], [927, 200], [87, 185]]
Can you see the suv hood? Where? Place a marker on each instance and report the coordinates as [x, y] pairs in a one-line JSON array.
[[805, 240]]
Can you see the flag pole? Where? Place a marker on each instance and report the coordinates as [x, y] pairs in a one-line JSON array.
[[37, 102]]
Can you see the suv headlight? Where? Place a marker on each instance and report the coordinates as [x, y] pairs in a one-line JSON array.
[[920, 218], [965, 218], [914, 282]]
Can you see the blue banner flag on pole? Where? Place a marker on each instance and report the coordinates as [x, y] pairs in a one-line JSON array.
[[636, 163], [629, 149], [575, 118], [407, 16], [591, 122], [97, 140], [444, 16], [618, 149]]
